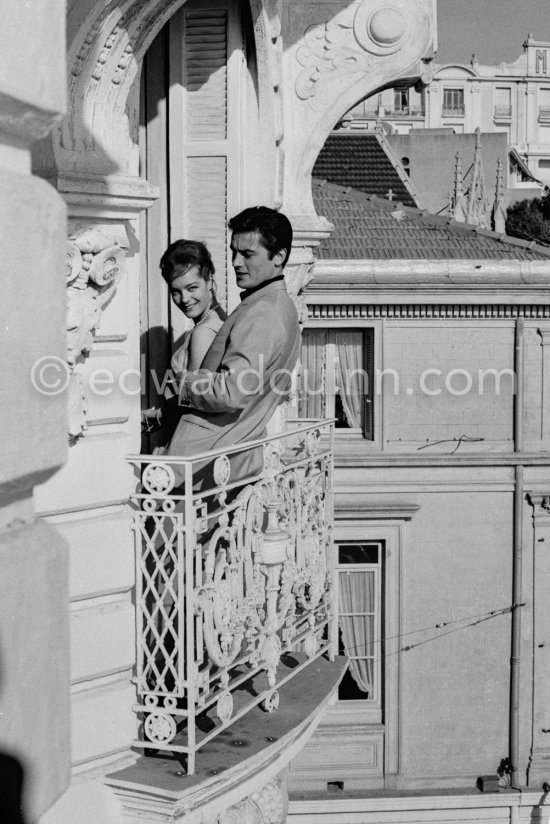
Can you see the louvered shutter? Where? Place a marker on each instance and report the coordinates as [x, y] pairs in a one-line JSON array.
[[370, 384], [200, 123]]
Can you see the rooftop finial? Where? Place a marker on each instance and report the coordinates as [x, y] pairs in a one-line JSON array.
[[499, 211], [478, 213], [457, 206]]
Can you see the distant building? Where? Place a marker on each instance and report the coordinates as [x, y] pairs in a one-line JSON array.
[[512, 98], [460, 176]]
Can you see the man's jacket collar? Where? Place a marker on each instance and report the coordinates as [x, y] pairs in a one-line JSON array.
[[247, 292]]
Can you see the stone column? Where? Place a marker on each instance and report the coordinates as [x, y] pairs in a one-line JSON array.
[[34, 644], [539, 762]]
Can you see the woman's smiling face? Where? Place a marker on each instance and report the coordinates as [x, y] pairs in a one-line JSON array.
[[190, 292]]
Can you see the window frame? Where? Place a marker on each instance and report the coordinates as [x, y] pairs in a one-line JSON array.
[[355, 437], [456, 109], [372, 705], [391, 532], [401, 101], [502, 110]]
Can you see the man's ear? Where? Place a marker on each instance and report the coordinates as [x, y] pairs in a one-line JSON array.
[[279, 257]]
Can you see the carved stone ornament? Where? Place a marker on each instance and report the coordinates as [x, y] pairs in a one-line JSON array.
[[350, 43], [269, 805], [93, 263], [328, 52]]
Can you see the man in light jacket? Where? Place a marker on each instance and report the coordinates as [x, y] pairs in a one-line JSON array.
[[246, 373]]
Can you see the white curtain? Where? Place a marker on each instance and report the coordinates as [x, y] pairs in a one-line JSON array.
[[312, 401], [350, 375], [357, 596]]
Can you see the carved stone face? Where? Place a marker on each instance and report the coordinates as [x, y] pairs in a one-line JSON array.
[[191, 293]]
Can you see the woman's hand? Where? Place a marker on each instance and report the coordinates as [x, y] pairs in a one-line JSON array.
[[151, 419]]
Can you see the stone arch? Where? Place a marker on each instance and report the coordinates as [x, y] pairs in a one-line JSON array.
[[366, 49], [366, 87], [104, 59]]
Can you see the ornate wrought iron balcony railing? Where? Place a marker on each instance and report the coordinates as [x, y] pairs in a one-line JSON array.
[[234, 582], [407, 111], [453, 111]]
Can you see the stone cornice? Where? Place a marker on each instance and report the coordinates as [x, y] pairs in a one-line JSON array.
[[25, 119], [367, 306], [414, 459], [475, 274], [119, 195], [352, 505], [332, 810]]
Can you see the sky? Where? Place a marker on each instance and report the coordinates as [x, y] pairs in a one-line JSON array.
[[492, 29]]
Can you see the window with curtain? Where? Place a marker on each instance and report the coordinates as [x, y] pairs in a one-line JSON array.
[[401, 101], [359, 570], [338, 378], [453, 102]]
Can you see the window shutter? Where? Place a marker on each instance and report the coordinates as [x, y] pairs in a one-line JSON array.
[[370, 384], [199, 120]]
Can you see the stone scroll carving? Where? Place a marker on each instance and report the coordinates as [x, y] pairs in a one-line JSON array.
[[353, 42], [94, 261]]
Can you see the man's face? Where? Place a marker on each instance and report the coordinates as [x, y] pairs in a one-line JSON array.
[[251, 260]]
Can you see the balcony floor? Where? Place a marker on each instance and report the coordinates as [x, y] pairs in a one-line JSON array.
[[256, 738]]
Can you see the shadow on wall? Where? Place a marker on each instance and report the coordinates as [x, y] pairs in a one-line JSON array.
[[11, 790], [538, 811], [156, 353]]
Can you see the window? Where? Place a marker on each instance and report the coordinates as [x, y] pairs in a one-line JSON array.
[[503, 102], [401, 101], [359, 574], [544, 105], [453, 102], [338, 378], [408, 102]]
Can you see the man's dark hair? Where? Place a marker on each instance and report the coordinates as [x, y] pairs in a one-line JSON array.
[[186, 253], [273, 227]]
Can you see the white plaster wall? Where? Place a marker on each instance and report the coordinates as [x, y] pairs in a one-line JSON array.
[[413, 417], [87, 501], [455, 690]]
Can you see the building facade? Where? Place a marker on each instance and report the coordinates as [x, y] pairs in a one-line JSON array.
[[509, 98], [150, 120], [434, 493], [441, 457]]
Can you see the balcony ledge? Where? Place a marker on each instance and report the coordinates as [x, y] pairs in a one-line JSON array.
[[155, 789], [419, 806]]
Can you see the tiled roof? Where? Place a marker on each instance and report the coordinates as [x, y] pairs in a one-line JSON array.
[[361, 161], [367, 227]]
